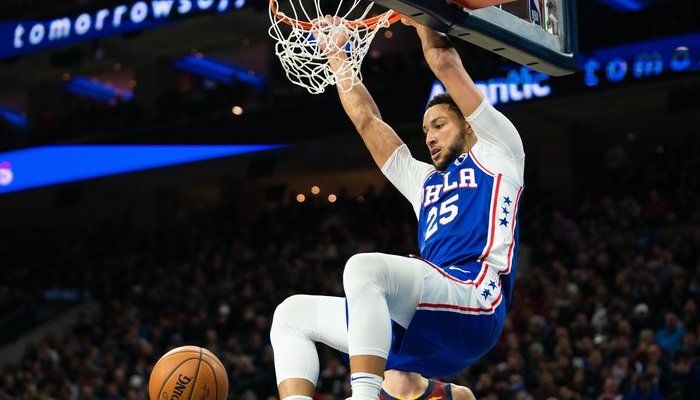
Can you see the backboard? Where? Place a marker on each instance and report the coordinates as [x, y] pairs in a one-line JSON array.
[[540, 34]]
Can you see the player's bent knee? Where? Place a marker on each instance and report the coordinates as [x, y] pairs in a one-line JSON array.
[[361, 269], [286, 316]]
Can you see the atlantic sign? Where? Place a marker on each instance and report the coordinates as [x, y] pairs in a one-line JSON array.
[[19, 37], [518, 85]]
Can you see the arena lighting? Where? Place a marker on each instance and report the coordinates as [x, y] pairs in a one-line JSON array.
[[96, 90], [218, 71], [625, 5], [19, 37], [50, 165], [14, 118]]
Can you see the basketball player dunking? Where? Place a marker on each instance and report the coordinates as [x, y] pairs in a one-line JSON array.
[[437, 313]]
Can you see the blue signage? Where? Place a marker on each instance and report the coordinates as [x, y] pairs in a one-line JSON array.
[[642, 60], [627, 63], [626, 5], [49, 165], [92, 89], [518, 85], [218, 71], [16, 119], [19, 37]]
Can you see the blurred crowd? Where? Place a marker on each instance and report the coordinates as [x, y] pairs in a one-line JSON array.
[[214, 285], [606, 305]]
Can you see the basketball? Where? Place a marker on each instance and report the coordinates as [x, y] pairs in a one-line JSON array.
[[188, 372]]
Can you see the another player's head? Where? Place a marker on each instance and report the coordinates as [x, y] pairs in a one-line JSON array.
[[447, 133]]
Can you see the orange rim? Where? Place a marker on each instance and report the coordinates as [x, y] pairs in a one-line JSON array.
[[368, 23]]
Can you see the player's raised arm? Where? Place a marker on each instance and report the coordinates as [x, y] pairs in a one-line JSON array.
[[489, 124], [441, 56], [379, 137]]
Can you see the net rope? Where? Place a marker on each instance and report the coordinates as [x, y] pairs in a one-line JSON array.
[[305, 60]]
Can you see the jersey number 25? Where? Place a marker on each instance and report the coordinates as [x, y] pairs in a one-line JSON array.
[[447, 212]]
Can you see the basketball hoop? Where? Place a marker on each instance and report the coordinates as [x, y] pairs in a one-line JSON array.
[[305, 62]]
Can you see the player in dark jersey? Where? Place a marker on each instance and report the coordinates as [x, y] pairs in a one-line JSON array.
[[436, 313], [400, 385]]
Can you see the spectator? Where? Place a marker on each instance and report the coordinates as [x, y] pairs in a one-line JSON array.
[[670, 336], [645, 390]]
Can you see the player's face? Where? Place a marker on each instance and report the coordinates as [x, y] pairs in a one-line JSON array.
[[445, 135]]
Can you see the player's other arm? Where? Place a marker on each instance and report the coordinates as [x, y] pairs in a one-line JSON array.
[[381, 140], [488, 123]]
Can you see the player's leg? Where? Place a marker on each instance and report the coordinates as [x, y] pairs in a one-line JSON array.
[[298, 323], [379, 288]]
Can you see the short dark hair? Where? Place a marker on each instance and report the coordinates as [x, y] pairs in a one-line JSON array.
[[445, 98]]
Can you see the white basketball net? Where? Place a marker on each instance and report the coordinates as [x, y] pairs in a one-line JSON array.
[[304, 59]]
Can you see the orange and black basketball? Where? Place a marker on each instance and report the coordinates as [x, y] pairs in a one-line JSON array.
[[188, 372]]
